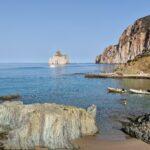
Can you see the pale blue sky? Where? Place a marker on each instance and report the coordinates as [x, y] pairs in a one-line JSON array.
[[31, 30]]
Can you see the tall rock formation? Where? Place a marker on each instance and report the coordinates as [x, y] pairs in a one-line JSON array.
[[133, 42], [46, 125], [59, 59]]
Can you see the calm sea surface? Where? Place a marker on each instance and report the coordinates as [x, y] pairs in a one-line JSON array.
[[38, 83]]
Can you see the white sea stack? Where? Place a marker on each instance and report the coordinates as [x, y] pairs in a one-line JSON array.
[[59, 59], [46, 125], [134, 42]]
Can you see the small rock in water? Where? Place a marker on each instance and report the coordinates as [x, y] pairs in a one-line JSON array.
[[10, 97], [124, 101]]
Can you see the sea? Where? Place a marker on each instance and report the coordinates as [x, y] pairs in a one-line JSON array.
[[40, 83]]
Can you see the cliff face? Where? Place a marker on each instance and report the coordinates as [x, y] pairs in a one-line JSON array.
[[133, 41], [46, 125], [59, 59]]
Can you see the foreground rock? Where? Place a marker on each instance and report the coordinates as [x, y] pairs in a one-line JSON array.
[[138, 127], [59, 59], [45, 125], [134, 41]]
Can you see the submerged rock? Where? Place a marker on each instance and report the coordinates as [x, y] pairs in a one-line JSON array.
[[138, 127], [10, 97], [46, 125]]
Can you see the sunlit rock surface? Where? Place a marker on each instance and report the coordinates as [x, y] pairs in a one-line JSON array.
[[59, 59], [46, 125], [134, 41], [140, 65]]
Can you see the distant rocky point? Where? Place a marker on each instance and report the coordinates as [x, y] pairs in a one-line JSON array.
[[134, 41], [59, 59]]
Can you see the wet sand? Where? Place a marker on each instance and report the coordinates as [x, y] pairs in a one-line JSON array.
[[94, 143]]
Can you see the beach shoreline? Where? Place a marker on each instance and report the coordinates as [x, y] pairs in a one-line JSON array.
[[94, 143]]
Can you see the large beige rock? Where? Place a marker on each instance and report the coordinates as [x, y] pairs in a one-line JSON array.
[[46, 125], [59, 59], [133, 41]]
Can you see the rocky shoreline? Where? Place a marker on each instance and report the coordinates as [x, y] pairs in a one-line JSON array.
[[138, 127], [46, 125], [118, 76]]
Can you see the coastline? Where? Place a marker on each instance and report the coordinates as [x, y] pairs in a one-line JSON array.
[[109, 104], [94, 143], [119, 76]]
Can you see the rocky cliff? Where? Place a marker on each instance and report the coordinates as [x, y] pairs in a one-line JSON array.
[[133, 41], [45, 125]]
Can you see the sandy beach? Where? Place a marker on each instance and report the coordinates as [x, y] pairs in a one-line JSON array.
[[93, 143]]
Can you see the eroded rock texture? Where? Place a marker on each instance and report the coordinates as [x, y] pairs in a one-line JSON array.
[[46, 125], [133, 41], [139, 127]]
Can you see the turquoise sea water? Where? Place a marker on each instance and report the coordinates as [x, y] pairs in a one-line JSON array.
[[38, 83]]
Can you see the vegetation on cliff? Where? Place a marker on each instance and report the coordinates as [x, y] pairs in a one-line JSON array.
[[140, 65]]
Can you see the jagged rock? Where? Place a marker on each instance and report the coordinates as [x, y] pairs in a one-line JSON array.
[[92, 110], [138, 127], [46, 125], [109, 55], [59, 59], [133, 41]]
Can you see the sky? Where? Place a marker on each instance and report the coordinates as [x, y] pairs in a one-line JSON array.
[[32, 30]]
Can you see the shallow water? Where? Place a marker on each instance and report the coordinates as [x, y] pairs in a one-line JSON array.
[[38, 83]]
